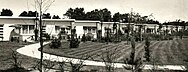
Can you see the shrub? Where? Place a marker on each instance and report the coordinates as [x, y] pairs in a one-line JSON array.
[[136, 62], [12, 39], [46, 36], [74, 43], [83, 38], [55, 43], [147, 50], [88, 38], [94, 40]]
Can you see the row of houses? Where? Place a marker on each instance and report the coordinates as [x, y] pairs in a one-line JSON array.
[[23, 27]]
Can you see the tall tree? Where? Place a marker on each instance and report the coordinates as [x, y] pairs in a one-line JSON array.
[[117, 17], [106, 14], [6, 12], [55, 17], [29, 14], [24, 13], [93, 15], [46, 16], [102, 15], [77, 13], [42, 6]]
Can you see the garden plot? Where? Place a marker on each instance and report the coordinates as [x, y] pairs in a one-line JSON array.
[[171, 52]]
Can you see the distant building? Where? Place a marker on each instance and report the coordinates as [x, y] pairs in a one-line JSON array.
[[23, 28]]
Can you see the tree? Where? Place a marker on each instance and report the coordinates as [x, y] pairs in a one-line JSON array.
[[55, 17], [136, 62], [74, 42], [24, 13], [77, 65], [147, 50], [6, 12], [77, 13], [106, 15], [46, 16], [32, 14], [93, 15], [109, 56], [29, 14], [102, 15], [117, 17], [42, 6]]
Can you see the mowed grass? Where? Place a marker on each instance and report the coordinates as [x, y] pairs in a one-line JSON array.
[[6, 59], [168, 52]]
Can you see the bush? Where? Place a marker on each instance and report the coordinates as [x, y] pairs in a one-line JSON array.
[[86, 38], [83, 38], [55, 43], [15, 39], [20, 69], [74, 43], [94, 40], [46, 36], [147, 50]]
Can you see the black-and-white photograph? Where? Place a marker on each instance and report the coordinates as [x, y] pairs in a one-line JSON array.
[[93, 36]]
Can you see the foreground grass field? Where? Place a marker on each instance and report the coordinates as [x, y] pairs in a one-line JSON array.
[[6, 59], [168, 52]]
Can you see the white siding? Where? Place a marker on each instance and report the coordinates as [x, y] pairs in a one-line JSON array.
[[79, 31], [6, 31]]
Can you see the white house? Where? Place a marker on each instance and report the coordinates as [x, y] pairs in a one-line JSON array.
[[6, 22], [86, 27], [23, 27], [151, 28]]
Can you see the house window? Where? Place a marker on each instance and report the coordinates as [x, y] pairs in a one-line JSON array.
[[31, 29], [93, 31], [25, 29], [57, 29], [85, 29], [89, 30], [28, 29], [16, 30]]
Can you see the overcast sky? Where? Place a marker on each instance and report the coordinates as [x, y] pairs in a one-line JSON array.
[[163, 10]]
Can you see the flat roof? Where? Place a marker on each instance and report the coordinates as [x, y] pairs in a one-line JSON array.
[[59, 20], [109, 22], [33, 18], [12, 17], [83, 21]]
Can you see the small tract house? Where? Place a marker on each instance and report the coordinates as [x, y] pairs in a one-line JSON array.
[[56, 27], [20, 27], [86, 27], [23, 27]]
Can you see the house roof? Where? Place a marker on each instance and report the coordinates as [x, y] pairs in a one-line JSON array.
[[83, 21], [60, 20], [11, 17]]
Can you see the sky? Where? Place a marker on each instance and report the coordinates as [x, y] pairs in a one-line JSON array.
[[162, 10]]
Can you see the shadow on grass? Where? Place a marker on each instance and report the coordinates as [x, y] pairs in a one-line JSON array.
[[15, 70]]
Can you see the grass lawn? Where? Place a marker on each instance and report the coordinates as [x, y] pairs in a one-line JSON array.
[[168, 52], [6, 59]]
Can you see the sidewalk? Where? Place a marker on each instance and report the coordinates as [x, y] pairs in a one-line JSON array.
[[32, 51]]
